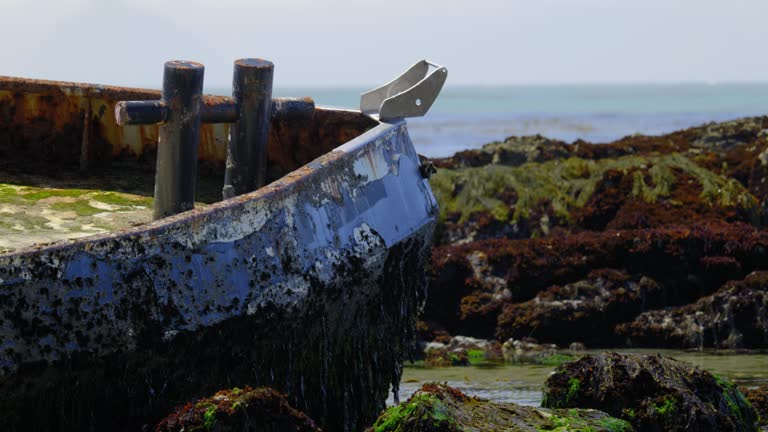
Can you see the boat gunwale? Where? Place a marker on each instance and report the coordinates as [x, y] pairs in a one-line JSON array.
[[31, 85], [281, 186]]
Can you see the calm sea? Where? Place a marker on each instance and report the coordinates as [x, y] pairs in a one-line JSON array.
[[468, 117]]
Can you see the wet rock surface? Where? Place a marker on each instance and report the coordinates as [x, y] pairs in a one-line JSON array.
[[598, 243], [256, 410], [651, 392], [758, 397], [529, 351], [438, 407], [687, 262], [736, 316], [581, 310], [462, 351]]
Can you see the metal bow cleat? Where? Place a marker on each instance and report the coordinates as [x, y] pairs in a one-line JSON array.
[[409, 95]]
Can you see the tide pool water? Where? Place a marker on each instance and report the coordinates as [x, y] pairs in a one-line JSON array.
[[523, 384], [468, 117]]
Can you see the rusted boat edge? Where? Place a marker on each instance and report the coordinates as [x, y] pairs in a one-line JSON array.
[[26, 85], [277, 188]]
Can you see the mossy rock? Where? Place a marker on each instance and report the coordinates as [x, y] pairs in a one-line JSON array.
[[255, 410], [568, 184], [758, 397], [653, 393], [437, 407]]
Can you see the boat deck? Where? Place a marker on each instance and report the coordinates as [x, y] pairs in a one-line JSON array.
[[38, 215], [40, 209]]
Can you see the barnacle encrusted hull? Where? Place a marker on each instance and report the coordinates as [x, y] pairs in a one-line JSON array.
[[309, 285]]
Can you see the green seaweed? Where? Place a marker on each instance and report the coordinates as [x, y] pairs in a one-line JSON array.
[[567, 184], [475, 356], [557, 359], [11, 222], [615, 425], [209, 418], [114, 198], [734, 399], [573, 422], [25, 195], [10, 194], [667, 406], [82, 208], [422, 406], [574, 385]]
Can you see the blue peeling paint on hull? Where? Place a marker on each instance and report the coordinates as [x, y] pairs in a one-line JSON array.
[[311, 285]]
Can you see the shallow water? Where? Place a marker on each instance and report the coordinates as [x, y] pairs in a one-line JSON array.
[[523, 384]]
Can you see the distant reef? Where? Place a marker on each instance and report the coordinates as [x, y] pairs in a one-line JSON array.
[[648, 241]]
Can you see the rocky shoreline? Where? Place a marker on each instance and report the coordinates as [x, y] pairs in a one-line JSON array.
[[653, 242], [643, 242], [607, 392], [546, 248]]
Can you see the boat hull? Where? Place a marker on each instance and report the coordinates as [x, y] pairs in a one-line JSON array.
[[310, 285]]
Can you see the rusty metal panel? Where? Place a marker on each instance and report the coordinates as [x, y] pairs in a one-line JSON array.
[[47, 120]]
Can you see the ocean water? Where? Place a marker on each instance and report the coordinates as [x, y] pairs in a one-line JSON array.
[[523, 384], [468, 117]]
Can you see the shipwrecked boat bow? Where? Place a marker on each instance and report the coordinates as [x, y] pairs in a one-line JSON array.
[[310, 284]]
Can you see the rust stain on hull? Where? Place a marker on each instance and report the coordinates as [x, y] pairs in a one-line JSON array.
[[47, 119]]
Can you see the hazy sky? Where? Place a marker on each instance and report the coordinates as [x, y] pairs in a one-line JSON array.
[[354, 43]]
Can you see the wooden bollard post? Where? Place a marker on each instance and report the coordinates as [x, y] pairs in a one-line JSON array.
[[247, 151], [181, 110], [179, 138], [179, 113]]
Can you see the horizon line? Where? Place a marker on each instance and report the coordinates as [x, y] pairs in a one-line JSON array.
[[534, 84]]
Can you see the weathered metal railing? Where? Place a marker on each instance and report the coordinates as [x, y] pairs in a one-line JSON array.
[[181, 110]]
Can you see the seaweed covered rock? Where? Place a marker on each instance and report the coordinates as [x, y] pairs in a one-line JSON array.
[[462, 351], [526, 186], [758, 397], [733, 148], [651, 392], [528, 350], [585, 310], [526, 223], [254, 410], [472, 284], [513, 151], [439, 408], [736, 316], [638, 191]]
